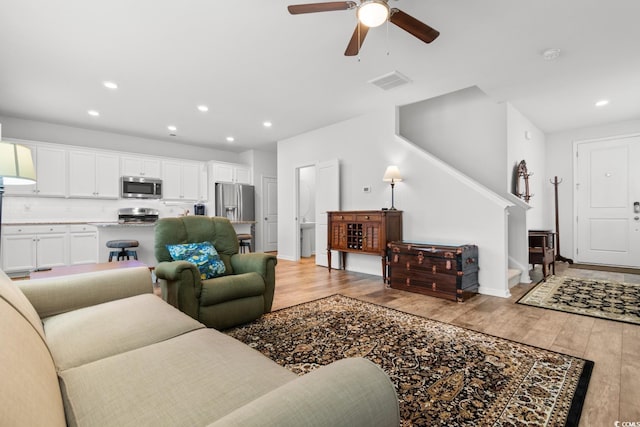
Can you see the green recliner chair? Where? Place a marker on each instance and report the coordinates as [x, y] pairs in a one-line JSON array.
[[243, 293]]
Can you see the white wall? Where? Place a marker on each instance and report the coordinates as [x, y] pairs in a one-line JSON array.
[[560, 163], [432, 212], [533, 151], [466, 129]]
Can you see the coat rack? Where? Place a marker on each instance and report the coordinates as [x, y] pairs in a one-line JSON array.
[[559, 257]]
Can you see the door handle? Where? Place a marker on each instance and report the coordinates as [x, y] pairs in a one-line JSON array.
[[636, 207]]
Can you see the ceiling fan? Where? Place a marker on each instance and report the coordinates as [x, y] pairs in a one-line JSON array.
[[370, 14]]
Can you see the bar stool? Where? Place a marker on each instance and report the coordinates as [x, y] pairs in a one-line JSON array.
[[124, 251], [245, 242]]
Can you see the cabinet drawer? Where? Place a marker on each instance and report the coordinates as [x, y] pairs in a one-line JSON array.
[[418, 262], [432, 291], [343, 217], [435, 282], [34, 229], [81, 228], [368, 217]]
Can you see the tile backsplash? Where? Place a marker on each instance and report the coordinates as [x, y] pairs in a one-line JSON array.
[[43, 209]]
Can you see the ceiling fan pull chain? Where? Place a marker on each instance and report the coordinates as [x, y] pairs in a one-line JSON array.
[[388, 50]]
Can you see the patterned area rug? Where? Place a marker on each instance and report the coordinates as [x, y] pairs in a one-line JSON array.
[[597, 298], [444, 375]]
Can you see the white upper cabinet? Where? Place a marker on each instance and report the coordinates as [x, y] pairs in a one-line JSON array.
[[93, 175], [51, 177], [230, 172], [181, 180], [140, 166]]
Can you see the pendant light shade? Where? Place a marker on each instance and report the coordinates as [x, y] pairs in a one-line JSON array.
[[16, 164]]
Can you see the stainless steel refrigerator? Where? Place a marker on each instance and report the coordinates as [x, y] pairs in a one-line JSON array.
[[235, 201]]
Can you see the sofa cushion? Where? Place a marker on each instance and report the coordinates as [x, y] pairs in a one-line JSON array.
[[29, 391], [196, 378], [55, 295], [12, 295], [222, 289], [92, 333], [202, 254]]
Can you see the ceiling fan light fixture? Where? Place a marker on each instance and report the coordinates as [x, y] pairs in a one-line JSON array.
[[373, 13]]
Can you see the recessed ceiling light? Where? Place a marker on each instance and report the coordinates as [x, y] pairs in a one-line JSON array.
[[110, 85], [93, 113], [172, 128], [551, 54], [230, 139], [602, 103], [267, 124], [203, 108]]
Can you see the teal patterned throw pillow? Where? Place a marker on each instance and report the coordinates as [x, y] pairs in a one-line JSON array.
[[203, 255]]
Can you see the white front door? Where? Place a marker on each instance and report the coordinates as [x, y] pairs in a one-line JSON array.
[[327, 199], [270, 211], [608, 202]]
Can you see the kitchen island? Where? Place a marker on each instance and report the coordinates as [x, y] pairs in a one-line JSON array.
[[143, 232]]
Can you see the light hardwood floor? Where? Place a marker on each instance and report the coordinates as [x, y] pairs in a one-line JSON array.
[[614, 389]]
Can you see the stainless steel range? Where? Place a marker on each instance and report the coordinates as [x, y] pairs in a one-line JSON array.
[[137, 215]]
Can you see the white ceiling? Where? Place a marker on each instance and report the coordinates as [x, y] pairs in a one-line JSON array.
[[252, 61]]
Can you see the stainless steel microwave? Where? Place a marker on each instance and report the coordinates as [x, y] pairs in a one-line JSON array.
[[136, 187]]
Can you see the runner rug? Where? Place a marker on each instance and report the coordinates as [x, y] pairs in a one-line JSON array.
[[444, 375], [597, 298]]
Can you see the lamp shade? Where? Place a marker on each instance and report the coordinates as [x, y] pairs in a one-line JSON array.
[[373, 13], [392, 174], [16, 164]]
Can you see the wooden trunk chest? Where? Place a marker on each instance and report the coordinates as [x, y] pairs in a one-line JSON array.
[[443, 271]]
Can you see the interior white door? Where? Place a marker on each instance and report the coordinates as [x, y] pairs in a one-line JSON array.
[[327, 199], [607, 190], [270, 211]]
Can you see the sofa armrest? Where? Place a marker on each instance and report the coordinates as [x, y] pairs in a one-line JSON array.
[[181, 285], [350, 393], [262, 263], [55, 295]]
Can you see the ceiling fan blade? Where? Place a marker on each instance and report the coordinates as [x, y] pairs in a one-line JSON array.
[[320, 7], [413, 26], [353, 48]]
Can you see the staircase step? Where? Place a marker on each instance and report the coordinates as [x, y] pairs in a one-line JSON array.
[[514, 276]]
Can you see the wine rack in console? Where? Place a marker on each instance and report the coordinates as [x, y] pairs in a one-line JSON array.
[[365, 232]]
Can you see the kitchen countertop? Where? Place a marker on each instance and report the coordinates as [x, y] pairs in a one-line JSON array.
[[99, 223], [46, 223], [122, 224]]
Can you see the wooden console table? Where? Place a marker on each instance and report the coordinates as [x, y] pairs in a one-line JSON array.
[[363, 232]]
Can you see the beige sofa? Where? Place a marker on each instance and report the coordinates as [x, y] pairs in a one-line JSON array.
[[100, 349]]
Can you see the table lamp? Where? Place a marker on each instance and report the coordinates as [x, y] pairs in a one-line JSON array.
[[392, 174]]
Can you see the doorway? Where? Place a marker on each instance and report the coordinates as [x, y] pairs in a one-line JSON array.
[[607, 227], [306, 211], [270, 214], [326, 197]]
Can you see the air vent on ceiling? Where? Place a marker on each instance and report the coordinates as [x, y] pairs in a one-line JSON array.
[[390, 80]]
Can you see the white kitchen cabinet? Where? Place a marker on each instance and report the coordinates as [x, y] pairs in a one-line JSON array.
[[140, 166], [93, 175], [51, 177], [25, 248], [181, 180], [230, 172], [83, 244]]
